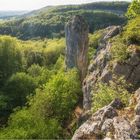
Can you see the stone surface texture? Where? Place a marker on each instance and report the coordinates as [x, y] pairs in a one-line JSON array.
[[76, 31]]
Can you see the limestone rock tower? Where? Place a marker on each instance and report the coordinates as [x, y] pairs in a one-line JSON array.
[[76, 31]]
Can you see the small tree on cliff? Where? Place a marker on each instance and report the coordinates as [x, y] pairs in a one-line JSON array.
[[134, 9]]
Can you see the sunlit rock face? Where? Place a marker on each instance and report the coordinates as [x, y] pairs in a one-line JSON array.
[[76, 31], [101, 69]]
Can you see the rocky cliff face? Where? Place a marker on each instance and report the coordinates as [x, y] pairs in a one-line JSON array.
[[101, 70], [98, 69], [112, 121], [77, 45]]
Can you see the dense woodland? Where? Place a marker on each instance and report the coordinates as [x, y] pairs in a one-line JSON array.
[[37, 95], [50, 21]]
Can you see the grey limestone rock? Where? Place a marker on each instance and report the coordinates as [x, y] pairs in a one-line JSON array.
[[137, 95], [107, 124], [76, 31], [93, 127], [122, 129]]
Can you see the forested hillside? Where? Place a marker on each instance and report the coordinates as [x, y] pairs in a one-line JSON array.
[[42, 98], [49, 22]]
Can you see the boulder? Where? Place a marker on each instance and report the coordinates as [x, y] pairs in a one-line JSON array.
[[122, 69], [122, 129], [92, 128], [113, 31], [107, 126]]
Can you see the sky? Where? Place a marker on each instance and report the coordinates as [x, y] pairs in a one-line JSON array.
[[36, 4]]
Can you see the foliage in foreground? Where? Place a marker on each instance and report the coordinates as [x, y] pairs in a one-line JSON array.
[[23, 125], [48, 109], [58, 97], [134, 9]]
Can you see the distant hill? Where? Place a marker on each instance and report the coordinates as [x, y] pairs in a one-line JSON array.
[[49, 21], [9, 14]]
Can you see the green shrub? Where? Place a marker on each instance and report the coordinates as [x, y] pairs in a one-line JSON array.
[[95, 38], [105, 94], [130, 36], [134, 9], [132, 31], [93, 43], [18, 87], [91, 53], [47, 111], [40, 74], [10, 58], [119, 50], [23, 125], [58, 97]]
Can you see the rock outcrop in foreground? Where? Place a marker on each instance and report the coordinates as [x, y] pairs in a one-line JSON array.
[[77, 45], [112, 122]]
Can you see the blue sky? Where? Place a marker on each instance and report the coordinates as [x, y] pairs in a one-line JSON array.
[[36, 4]]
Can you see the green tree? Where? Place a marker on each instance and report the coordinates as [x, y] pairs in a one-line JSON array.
[[134, 9], [10, 58], [58, 97], [18, 87], [23, 125], [131, 32], [47, 110], [40, 74]]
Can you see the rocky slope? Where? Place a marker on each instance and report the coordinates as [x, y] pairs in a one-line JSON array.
[[112, 121], [101, 70]]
